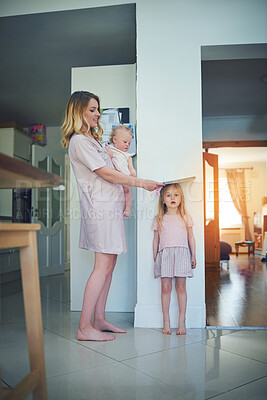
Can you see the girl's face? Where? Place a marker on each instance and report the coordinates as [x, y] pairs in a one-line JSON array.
[[122, 140], [172, 198], [92, 114]]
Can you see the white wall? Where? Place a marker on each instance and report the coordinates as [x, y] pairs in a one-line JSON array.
[[116, 87], [169, 39]]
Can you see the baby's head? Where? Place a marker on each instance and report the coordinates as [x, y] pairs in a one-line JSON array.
[[121, 137]]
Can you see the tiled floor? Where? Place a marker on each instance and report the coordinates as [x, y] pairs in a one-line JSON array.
[[140, 365]]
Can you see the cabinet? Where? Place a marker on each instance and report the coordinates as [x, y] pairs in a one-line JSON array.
[[14, 143]]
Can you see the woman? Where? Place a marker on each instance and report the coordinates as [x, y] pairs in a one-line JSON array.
[[101, 203]]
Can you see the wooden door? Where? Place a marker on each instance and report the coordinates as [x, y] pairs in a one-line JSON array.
[[211, 211]]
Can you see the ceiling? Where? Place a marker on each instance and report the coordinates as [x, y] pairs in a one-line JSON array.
[[39, 50]]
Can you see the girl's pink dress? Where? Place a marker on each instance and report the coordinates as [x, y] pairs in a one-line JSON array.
[[101, 203], [173, 258]]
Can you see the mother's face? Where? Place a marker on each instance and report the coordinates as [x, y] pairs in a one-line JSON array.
[[92, 114]]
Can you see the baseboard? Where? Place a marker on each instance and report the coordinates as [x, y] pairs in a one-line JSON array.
[[151, 316]]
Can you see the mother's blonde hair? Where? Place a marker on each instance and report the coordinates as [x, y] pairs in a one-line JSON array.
[[74, 117], [162, 209]]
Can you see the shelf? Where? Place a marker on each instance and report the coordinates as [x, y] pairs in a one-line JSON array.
[[18, 174]]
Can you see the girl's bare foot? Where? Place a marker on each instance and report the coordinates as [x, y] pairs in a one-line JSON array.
[[127, 212], [94, 335], [181, 328], [166, 329], [107, 326]]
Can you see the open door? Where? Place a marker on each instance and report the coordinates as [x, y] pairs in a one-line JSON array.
[[211, 211]]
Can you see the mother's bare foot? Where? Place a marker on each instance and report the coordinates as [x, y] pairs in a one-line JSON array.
[[107, 326], [94, 335], [181, 329]]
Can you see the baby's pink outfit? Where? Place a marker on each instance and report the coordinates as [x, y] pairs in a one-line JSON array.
[[120, 160], [173, 258]]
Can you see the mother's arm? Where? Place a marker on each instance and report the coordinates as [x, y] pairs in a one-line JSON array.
[[114, 176]]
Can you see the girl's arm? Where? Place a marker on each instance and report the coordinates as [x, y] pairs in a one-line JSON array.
[[192, 245], [113, 176], [155, 244], [131, 167]]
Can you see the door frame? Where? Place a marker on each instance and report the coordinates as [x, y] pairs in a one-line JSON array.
[[240, 143], [231, 143], [234, 143]]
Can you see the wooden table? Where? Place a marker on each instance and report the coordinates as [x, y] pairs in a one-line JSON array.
[[245, 243], [17, 174]]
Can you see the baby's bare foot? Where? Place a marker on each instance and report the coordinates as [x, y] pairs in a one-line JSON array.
[[181, 328], [93, 334], [107, 326], [127, 212]]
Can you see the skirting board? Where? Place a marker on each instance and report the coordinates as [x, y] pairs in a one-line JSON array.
[[151, 316]]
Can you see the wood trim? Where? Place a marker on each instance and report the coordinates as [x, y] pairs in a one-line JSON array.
[[235, 143], [7, 227]]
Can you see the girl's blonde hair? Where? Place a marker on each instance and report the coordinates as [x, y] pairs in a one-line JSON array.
[[118, 128], [74, 117], [162, 209]]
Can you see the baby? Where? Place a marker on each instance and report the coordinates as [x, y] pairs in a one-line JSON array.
[[121, 137]]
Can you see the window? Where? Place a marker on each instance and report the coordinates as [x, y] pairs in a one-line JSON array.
[[228, 214]]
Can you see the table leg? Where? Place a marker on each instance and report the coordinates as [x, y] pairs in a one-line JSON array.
[[236, 250], [33, 314]]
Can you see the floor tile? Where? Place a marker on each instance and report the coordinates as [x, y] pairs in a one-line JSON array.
[[58, 319], [57, 289], [248, 343], [113, 382], [61, 356], [137, 342], [13, 334], [197, 370], [12, 308], [254, 391]]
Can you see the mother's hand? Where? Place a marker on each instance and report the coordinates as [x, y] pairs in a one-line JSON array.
[[151, 185]]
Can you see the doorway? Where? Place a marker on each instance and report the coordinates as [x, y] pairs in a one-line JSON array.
[[236, 291], [234, 129]]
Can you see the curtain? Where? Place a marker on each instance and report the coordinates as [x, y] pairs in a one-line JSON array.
[[237, 187]]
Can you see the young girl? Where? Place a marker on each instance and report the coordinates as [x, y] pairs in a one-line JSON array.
[[121, 137], [173, 242]]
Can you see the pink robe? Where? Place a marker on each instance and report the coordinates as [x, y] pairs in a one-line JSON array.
[[101, 203]]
